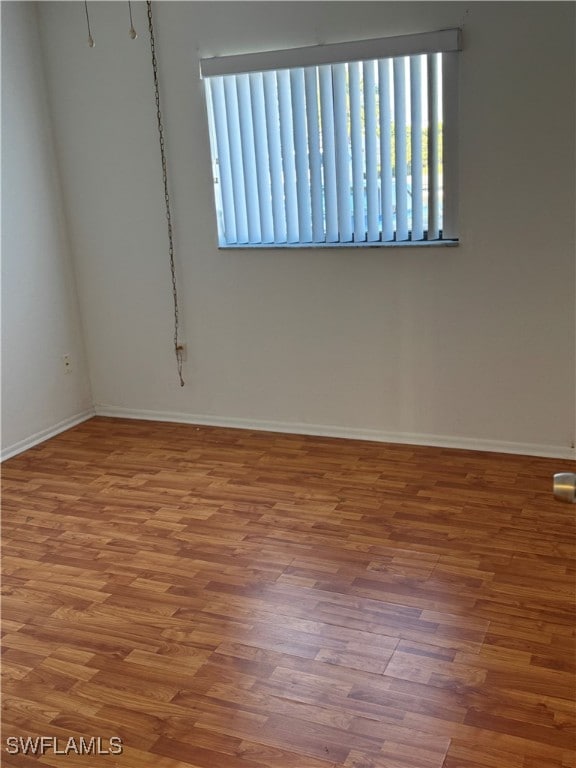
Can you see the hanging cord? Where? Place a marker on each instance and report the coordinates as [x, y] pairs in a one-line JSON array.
[[90, 38], [132, 32], [178, 348]]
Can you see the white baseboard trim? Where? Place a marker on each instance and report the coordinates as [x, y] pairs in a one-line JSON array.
[[406, 438], [45, 434]]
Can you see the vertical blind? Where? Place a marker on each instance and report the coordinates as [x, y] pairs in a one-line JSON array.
[[335, 152]]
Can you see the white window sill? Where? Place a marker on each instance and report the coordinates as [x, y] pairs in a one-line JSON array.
[[313, 246]]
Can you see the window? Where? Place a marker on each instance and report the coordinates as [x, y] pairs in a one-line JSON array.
[[344, 144]]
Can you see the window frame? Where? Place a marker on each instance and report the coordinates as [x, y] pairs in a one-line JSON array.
[[447, 42]]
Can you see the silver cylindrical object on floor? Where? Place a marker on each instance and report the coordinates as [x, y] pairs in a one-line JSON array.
[[565, 487]]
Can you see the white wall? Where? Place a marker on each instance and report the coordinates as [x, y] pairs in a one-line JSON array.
[[40, 318], [474, 343]]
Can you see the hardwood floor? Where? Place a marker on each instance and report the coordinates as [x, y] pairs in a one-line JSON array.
[[232, 599]]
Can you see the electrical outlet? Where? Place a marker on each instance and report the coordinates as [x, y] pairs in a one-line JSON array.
[[67, 363]]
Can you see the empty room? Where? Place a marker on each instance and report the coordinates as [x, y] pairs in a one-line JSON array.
[[288, 384]]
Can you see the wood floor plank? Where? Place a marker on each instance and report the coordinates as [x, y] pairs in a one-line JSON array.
[[224, 598]]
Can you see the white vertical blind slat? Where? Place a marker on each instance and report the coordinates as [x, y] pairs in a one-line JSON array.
[[400, 148], [370, 140], [416, 147], [262, 157], [313, 122], [342, 152], [236, 166], [358, 167], [329, 153], [433, 147], [288, 165], [227, 227], [301, 154], [386, 179], [249, 157], [275, 155]]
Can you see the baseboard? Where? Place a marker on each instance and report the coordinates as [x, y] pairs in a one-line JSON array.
[[406, 438], [45, 434]]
